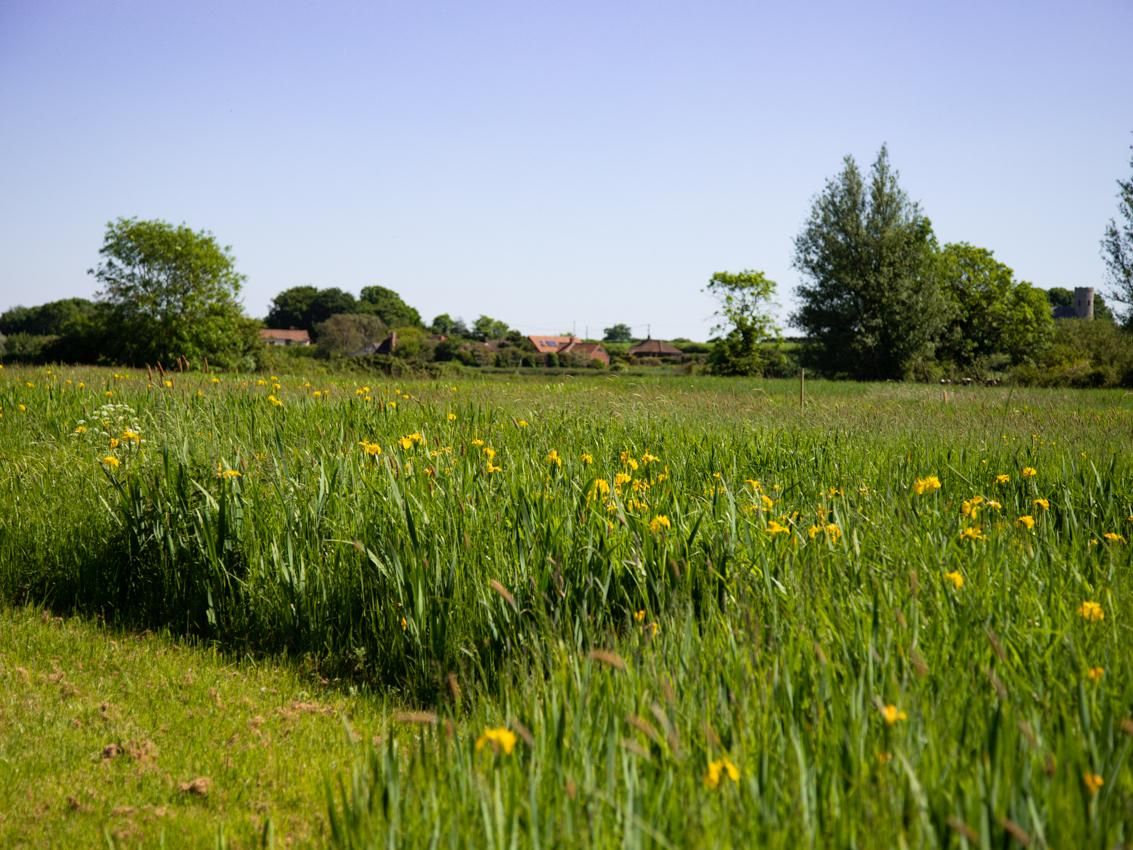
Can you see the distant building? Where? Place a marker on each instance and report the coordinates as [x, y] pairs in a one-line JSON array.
[[277, 336], [570, 345], [1082, 307], [656, 349]]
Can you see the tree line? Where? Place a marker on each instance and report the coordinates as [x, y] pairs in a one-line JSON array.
[[880, 299]]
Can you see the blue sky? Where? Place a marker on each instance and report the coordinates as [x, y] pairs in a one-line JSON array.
[[557, 166]]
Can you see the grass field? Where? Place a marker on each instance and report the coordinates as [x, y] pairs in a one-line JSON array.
[[591, 612]]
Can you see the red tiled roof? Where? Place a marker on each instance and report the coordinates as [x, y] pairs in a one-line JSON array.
[[290, 335], [655, 348]]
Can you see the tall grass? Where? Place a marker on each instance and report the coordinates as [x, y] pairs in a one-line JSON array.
[[639, 578]]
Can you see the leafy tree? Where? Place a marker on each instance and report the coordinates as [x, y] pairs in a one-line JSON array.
[[991, 314], [327, 303], [1117, 248], [388, 306], [446, 325], [54, 318], [292, 308], [347, 333], [618, 333], [486, 327], [871, 303], [743, 324], [172, 292]]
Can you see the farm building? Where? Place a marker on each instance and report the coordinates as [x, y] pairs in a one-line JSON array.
[[571, 345], [277, 336], [655, 349]]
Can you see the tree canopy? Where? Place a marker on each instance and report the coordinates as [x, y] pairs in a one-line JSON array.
[[171, 292], [990, 313], [619, 332], [388, 306], [870, 303], [743, 324], [1117, 248]]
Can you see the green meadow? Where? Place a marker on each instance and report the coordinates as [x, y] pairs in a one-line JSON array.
[[562, 612]]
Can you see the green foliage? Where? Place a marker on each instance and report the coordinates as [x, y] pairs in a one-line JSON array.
[[347, 333], [171, 292], [388, 306], [743, 324], [55, 318], [991, 314], [1117, 248], [872, 306], [446, 325], [413, 343], [486, 328], [617, 333], [1083, 354], [291, 309]]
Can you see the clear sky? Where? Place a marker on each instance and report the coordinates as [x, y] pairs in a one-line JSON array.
[[555, 165]]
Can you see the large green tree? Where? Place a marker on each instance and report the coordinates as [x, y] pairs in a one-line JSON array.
[[870, 303], [619, 332], [171, 292], [743, 324], [1117, 248], [991, 315], [291, 308], [388, 306]]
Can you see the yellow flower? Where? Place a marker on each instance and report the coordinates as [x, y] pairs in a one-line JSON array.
[[973, 532], [1026, 521], [639, 616], [489, 453], [1095, 673], [1041, 503], [477, 442], [766, 501], [659, 522], [647, 459], [404, 624], [1113, 537], [451, 416], [929, 484], [554, 459], [492, 468], [215, 380], [601, 487], [891, 714], [586, 458], [275, 401], [522, 423], [110, 462], [1003, 478], [994, 505], [80, 429], [1091, 612], [410, 440], [1029, 472], [621, 479], [113, 442], [500, 738], [23, 408], [370, 448], [168, 384], [1093, 782], [392, 405], [774, 528], [221, 472], [719, 769], [971, 507], [131, 436], [956, 578], [627, 460]]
